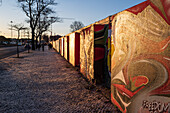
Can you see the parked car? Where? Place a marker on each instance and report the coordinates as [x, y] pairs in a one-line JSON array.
[[13, 43], [5, 43], [20, 43]]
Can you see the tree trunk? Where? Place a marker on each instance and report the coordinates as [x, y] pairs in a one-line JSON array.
[[36, 42], [40, 38], [33, 46]]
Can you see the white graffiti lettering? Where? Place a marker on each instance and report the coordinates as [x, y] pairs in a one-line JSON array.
[[156, 107]]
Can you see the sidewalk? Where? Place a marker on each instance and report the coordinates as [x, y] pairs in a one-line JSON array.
[[43, 82]]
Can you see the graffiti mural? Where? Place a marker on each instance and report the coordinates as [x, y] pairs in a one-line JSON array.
[[94, 53], [101, 52], [87, 52], [140, 74]]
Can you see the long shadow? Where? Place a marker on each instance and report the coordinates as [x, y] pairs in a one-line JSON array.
[[19, 95]]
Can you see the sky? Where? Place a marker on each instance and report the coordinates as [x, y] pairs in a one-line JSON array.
[[86, 11]]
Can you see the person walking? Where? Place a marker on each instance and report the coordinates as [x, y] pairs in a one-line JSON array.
[[42, 46]]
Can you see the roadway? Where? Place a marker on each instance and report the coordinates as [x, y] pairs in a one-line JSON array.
[[8, 51]]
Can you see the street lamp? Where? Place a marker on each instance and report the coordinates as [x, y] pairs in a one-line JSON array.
[[28, 33], [18, 28], [11, 28]]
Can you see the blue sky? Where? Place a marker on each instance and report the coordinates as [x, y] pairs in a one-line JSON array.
[[86, 11]]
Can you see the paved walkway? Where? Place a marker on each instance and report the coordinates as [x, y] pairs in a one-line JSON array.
[[43, 82]]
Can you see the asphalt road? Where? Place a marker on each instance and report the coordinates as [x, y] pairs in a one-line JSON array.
[[8, 51]]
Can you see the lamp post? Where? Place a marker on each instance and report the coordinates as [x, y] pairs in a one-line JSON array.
[[28, 33], [18, 28], [11, 28]]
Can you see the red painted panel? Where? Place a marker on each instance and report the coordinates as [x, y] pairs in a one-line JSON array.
[[98, 27], [60, 46], [138, 8], [77, 49], [99, 53]]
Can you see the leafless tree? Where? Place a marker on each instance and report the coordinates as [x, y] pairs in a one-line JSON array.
[[44, 25], [35, 10], [76, 25], [18, 28]]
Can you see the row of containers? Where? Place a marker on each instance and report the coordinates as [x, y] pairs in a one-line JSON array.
[[129, 52]]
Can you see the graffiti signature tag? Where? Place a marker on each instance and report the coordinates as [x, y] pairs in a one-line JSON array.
[[156, 107]]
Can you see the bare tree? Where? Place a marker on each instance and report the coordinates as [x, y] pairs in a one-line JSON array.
[[44, 25], [18, 28], [34, 9], [76, 25]]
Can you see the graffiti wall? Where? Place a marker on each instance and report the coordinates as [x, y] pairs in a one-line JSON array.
[[140, 74], [93, 53], [101, 51], [87, 52]]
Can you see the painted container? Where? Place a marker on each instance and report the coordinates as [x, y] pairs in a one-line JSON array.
[[68, 54], [74, 49], [65, 47], [54, 44], [140, 64], [57, 45], [93, 53], [62, 46]]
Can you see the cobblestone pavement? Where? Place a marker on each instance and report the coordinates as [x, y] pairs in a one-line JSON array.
[[43, 82]]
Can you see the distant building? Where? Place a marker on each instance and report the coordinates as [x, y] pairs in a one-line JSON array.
[[46, 38], [54, 38], [4, 40]]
